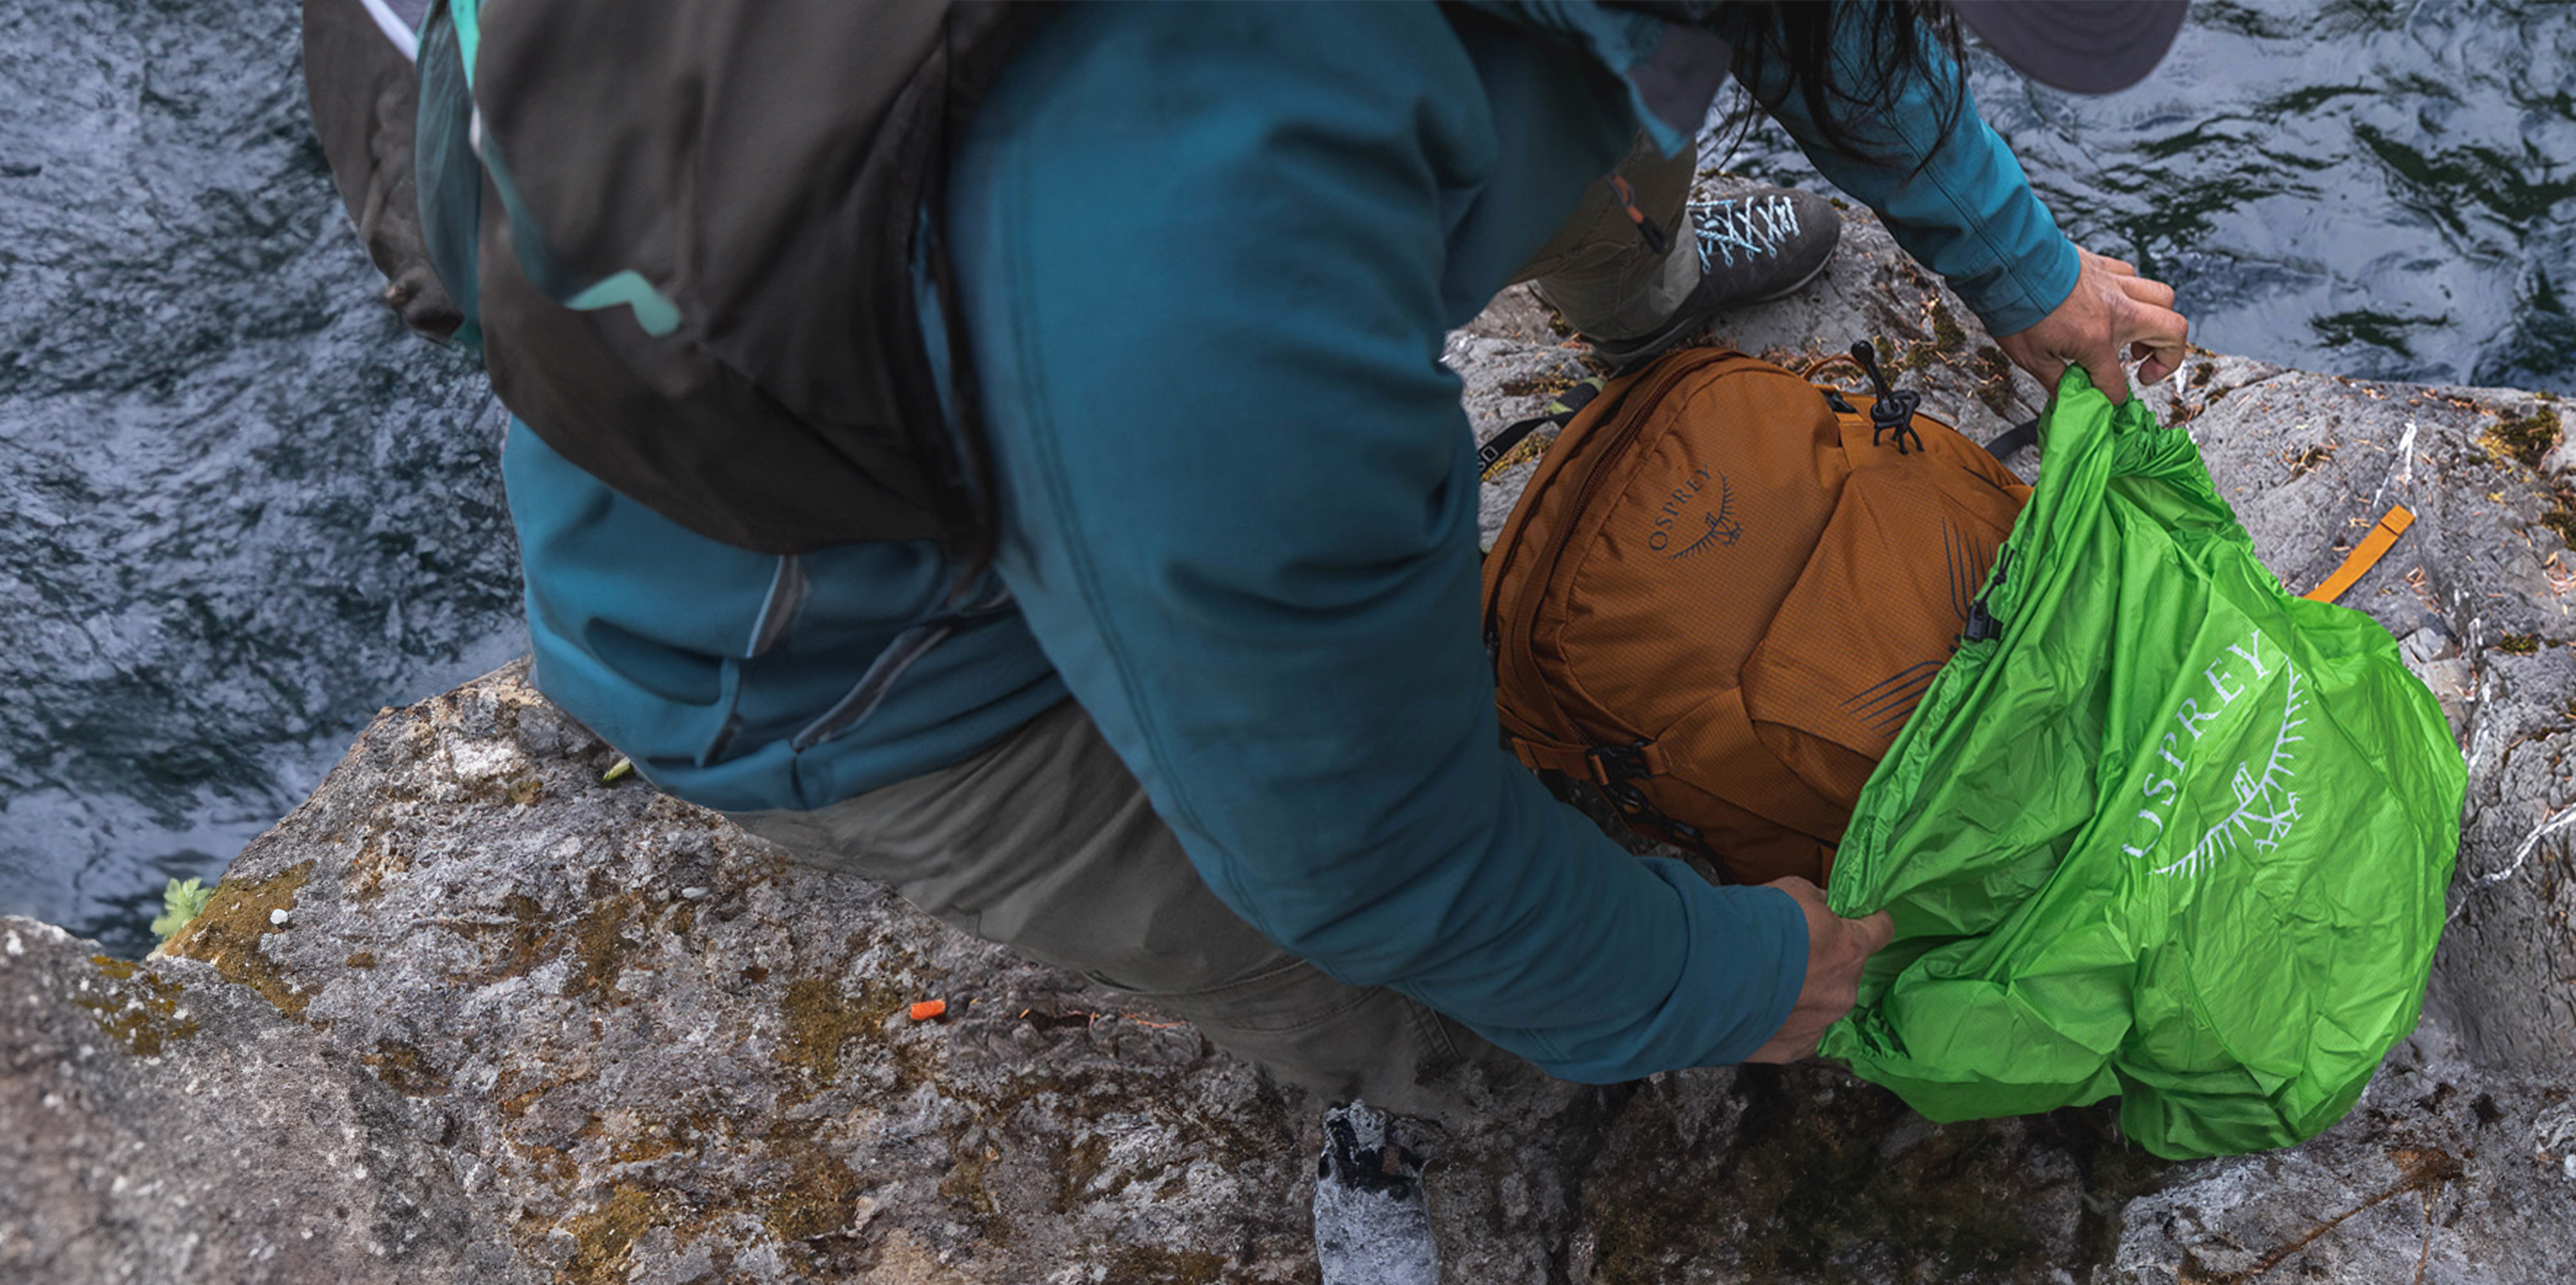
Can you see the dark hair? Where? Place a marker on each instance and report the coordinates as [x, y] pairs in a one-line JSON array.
[[1903, 37]]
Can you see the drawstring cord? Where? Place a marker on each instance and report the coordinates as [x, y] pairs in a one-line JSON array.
[[1895, 406]]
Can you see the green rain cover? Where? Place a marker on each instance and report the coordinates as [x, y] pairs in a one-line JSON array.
[[2170, 833]]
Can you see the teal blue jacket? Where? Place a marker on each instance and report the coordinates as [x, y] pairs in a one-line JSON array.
[[1208, 256]]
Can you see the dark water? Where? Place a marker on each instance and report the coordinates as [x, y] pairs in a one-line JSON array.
[[244, 509], [2368, 187]]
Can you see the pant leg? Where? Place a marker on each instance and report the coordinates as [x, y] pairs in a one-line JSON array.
[[1046, 844], [1598, 270]]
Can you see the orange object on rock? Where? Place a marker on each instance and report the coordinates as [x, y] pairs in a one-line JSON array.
[[2365, 555], [928, 1009]]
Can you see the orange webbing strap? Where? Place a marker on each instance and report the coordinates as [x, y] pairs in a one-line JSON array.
[[1580, 761], [2365, 555]]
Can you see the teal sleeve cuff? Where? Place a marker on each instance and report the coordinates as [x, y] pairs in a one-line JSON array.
[[2040, 290], [1742, 967]]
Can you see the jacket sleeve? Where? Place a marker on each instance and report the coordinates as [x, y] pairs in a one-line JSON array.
[[1200, 258], [1957, 201]]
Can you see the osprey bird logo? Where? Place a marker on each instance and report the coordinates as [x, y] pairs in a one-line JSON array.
[[2267, 804], [1718, 525], [2263, 784]]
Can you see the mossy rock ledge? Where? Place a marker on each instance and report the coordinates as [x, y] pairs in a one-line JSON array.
[[471, 1014]]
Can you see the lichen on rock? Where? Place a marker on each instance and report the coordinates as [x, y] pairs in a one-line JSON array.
[[138, 1009], [227, 934]]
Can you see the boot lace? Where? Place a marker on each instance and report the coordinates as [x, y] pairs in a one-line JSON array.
[[1748, 228]]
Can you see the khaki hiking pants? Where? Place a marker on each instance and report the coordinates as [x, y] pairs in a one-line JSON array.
[[1046, 844], [1598, 271]]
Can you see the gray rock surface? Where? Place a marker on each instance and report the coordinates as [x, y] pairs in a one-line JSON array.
[[646, 1048], [609, 1035], [160, 1124]]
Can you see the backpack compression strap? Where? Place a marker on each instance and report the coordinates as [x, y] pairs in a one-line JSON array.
[[1720, 732], [2009, 442], [1561, 411]]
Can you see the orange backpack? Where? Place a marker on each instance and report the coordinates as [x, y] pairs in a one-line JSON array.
[[1724, 591]]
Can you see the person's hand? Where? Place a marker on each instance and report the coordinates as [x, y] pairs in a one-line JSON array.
[[1835, 948], [2113, 311]]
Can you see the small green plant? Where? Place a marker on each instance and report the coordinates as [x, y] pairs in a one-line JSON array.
[[180, 903]]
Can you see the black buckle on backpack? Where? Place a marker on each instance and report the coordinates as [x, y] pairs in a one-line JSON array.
[[1981, 624], [1630, 800], [1614, 765], [1896, 411]]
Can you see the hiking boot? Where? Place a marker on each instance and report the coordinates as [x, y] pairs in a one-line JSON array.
[[1372, 1222], [1754, 245]]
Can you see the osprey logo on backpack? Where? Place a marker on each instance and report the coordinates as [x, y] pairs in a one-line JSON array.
[[1721, 528]]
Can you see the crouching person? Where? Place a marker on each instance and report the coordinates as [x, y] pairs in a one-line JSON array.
[[1004, 452]]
